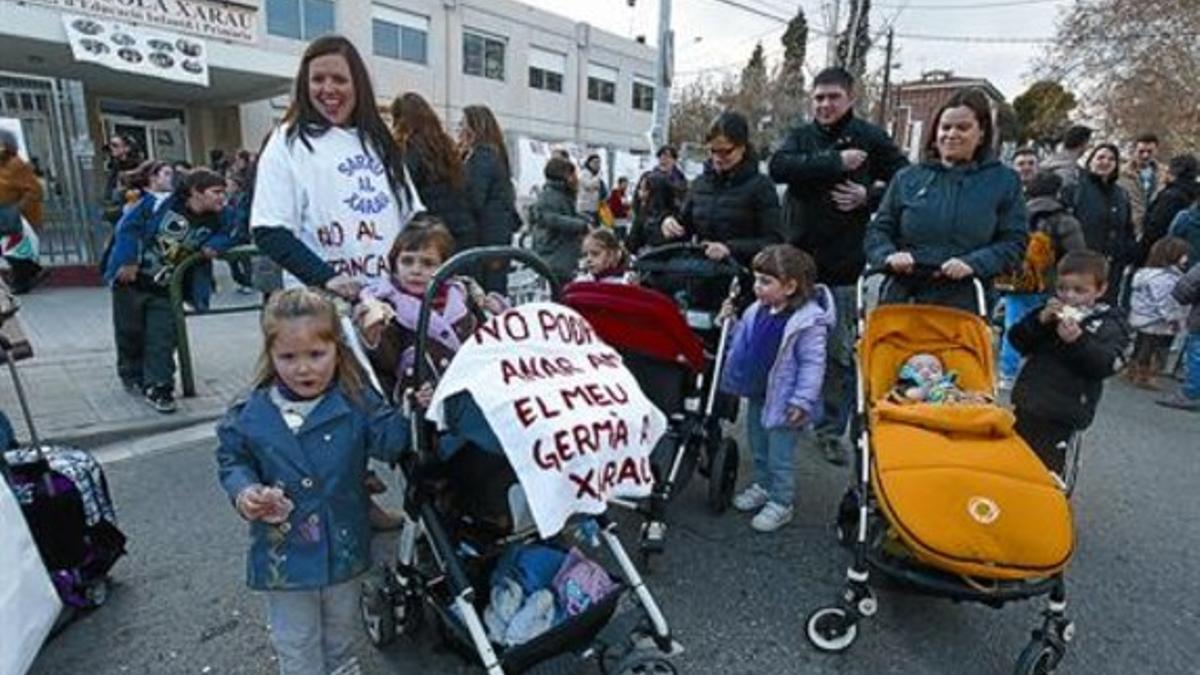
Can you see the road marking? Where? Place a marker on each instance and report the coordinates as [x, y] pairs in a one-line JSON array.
[[156, 444]]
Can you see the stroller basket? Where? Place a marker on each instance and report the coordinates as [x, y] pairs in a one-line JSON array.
[[573, 634]]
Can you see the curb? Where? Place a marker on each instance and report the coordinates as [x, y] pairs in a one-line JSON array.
[[98, 435]]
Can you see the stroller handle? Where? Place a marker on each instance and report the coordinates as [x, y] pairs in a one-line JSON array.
[[922, 273], [667, 250]]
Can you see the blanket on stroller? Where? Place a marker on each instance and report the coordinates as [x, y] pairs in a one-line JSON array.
[[571, 419]]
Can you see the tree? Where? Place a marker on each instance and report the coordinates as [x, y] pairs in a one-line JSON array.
[[854, 43], [750, 97], [1043, 112], [788, 99], [1137, 63]]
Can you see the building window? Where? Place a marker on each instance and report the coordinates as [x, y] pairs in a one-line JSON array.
[[546, 69], [300, 19], [602, 83], [483, 56], [643, 96], [399, 35]]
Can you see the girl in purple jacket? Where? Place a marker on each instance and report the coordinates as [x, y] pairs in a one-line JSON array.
[[776, 362]]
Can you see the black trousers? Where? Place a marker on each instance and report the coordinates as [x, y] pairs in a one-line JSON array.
[[24, 274], [1048, 438], [144, 329]]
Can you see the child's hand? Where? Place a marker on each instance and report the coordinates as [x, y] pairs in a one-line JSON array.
[[493, 304], [1050, 312], [727, 311], [127, 274], [1069, 330], [796, 417], [259, 502]]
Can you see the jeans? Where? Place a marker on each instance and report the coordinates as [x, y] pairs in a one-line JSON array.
[[837, 391], [314, 632], [774, 455], [1016, 307], [1191, 356], [144, 329]]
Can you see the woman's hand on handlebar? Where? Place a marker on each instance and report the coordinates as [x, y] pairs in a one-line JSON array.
[[900, 262], [344, 287], [715, 250], [671, 229], [957, 269]]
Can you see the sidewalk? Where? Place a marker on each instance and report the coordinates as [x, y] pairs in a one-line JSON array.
[[72, 383]]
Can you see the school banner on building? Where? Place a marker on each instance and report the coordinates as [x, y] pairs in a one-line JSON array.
[[575, 426], [135, 49], [214, 19]]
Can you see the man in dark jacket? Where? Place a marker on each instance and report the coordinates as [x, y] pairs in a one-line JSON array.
[[1071, 344], [835, 168]]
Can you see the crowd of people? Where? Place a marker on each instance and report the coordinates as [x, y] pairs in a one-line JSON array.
[[1077, 249]]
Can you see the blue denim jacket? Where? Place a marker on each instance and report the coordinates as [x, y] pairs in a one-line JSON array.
[[798, 368], [321, 468]]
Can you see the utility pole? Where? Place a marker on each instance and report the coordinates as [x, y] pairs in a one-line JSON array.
[[660, 130], [887, 80]]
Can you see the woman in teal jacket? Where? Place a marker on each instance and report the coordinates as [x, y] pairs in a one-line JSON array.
[[960, 212]]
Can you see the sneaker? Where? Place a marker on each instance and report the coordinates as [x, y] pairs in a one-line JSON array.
[[161, 399], [750, 499], [1180, 402], [833, 450], [772, 517], [133, 386]]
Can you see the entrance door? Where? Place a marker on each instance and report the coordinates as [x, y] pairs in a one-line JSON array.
[[160, 132], [51, 118]]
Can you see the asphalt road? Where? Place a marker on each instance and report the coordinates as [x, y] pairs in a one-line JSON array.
[[736, 599]]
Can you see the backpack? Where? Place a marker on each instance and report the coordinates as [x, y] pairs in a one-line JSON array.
[[1036, 266]]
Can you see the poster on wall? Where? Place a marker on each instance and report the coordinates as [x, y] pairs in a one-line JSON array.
[[13, 126], [135, 49]]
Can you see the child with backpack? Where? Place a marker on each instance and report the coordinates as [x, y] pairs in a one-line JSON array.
[[776, 361], [1053, 232], [293, 460], [150, 241], [1154, 313]]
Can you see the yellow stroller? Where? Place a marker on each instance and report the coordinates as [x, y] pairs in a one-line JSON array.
[[947, 500]]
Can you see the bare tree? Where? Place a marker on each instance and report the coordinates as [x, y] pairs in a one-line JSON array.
[[1137, 63]]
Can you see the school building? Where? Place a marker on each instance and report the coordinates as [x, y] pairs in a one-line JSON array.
[[183, 77]]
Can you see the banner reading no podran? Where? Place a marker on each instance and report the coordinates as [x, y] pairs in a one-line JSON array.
[[135, 49], [575, 426]]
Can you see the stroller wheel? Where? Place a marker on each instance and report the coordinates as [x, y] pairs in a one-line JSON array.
[[722, 475], [645, 662], [1038, 658], [378, 615], [831, 630]]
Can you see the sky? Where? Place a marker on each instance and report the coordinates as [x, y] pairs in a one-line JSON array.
[[713, 38]]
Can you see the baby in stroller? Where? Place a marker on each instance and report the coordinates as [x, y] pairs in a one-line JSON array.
[[923, 379]]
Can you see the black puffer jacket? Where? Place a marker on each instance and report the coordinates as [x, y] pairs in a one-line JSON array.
[[1176, 197], [491, 196], [1103, 209], [444, 200], [738, 208], [1061, 381], [810, 163]]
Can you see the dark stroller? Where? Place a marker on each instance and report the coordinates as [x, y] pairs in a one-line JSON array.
[[461, 516], [669, 339]]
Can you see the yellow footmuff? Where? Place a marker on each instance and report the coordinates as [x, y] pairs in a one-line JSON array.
[[965, 494]]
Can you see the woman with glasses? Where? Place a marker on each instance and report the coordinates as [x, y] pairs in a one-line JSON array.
[[732, 208]]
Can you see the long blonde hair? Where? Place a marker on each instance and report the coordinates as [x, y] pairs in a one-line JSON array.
[[298, 303]]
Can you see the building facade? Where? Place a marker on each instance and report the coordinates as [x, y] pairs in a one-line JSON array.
[[912, 106], [546, 77]]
